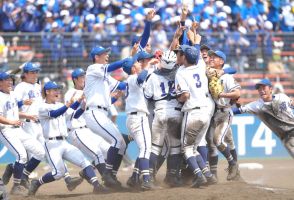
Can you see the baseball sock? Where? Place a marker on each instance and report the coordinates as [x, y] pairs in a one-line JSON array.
[[136, 171], [117, 164], [144, 168], [101, 168], [202, 166], [31, 166], [111, 156], [173, 163], [192, 163], [160, 161], [17, 172], [203, 152], [234, 154], [213, 160], [91, 176], [47, 178], [153, 162], [228, 156]]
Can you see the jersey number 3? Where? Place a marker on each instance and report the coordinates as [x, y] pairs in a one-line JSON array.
[[197, 79]]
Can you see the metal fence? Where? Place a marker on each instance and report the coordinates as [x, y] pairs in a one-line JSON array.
[[259, 52]]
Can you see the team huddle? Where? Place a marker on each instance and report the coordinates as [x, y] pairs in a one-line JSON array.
[[178, 105]]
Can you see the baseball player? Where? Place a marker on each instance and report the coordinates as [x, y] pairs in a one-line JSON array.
[[212, 150], [192, 90], [137, 116], [14, 137], [52, 115], [30, 91], [275, 111], [92, 145], [98, 86], [223, 116], [168, 116]]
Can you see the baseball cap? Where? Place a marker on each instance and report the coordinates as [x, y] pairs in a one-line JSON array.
[[31, 67], [4, 76], [263, 82], [143, 55], [98, 50], [218, 54], [128, 64], [190, 53], [204, 46], [51, 85], [77, 72]]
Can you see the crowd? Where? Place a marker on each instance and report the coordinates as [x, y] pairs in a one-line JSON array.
[[118, 16]]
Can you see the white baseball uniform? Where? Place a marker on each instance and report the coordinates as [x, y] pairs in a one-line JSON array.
[[15, 138], [91, 144], [25, 91], [56, 146], [277, 115], [223, 116], [193, 80], [98, 86], [168, 116], [137, 116]]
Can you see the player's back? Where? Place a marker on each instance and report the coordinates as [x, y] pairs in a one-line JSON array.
[[162, 91], [135, 100], [193, 80]]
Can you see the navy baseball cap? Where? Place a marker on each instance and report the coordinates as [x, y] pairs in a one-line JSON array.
[[77, 72], [263, 82], [218, 54], [31, 67], [190, 53], [51, 85], [128, 64], [5, 76], [143, 55], [98, 51], [204, 46]]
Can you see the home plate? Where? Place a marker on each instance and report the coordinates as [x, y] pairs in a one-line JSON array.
[[250, 166]]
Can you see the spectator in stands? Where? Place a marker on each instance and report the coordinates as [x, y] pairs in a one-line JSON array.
[[3, 55], [248, 10], [274, 12]]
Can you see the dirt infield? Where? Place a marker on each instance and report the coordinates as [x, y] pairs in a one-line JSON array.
[[266, 179]]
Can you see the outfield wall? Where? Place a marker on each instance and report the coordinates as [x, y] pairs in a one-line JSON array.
[[252, 139]]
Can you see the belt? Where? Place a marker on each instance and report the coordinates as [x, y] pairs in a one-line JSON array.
[[28, 120], [178, 109], [57, 138], [136, 113], [222, 109], [196, 108], [15, 127], [99, 107], [81, 127]]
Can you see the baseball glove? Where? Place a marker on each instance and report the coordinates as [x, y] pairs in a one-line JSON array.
[[215, 87]]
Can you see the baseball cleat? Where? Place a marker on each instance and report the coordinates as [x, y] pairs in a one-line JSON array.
[[7, 173], [73, 183], [34, 187], [82, 175], [18, 190], [133, 182], [198, 181], [100, 189], [109, 180], [25, 183], [233, 171], [211, 180], [147, 185]]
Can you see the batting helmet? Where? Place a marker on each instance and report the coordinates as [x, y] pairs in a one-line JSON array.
[[168, 59]]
